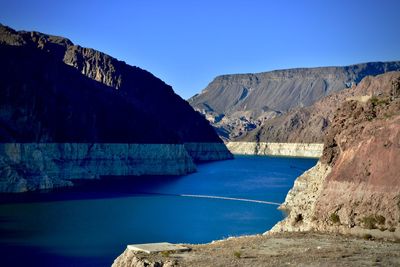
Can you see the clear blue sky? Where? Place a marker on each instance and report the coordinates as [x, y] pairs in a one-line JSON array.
[[187, 43]]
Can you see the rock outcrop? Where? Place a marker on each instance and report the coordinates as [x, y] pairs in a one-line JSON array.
[[54, 95], [355, 187], [242, 103]]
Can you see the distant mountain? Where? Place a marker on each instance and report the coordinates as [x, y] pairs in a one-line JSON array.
[[68, 112], [310, 124], [237, 104]]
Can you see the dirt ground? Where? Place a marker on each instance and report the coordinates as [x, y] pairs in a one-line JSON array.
[[288, 249]]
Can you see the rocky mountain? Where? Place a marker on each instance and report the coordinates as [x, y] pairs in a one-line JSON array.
[[238, 104], [70, 112], [355, 187], [137, 87], [310, 124]]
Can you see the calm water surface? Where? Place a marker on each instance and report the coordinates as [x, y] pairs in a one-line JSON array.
[[91, 225]]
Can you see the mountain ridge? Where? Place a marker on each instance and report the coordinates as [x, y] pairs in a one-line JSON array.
[[138, 85], [237, 104], [310, 124]]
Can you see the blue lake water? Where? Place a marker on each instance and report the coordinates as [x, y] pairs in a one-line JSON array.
[[91, 225]]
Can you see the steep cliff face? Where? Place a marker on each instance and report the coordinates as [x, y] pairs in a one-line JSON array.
[[238, 104], [355, 188], [54, 94], [138, 87]]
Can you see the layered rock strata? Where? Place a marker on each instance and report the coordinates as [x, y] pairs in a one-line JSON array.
[[240, 104], [32, 166], [355, 187], [310, 124]]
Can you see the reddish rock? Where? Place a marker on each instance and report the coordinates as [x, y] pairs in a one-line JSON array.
[[355, 187]]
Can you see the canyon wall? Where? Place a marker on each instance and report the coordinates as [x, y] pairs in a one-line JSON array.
[[355, 187], [310, 124], [70, 112], [252, 107], [276, 149], [208, 151]]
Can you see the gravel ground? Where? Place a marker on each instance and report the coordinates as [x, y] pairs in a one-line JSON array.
[[287, 249]]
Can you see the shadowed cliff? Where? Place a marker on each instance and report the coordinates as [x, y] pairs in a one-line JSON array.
[[68, 112], [59, 68]]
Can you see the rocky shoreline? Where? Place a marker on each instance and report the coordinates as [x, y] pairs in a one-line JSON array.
[[307, 150], [69, 112], [33, 166]]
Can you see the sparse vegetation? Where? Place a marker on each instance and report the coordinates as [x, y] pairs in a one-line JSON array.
[[370, 117], [166, 253], [380, 219], [392, 229], [395, 88], [367, 237], [369, 222], [334, 218], [237, 254], [375, 101]]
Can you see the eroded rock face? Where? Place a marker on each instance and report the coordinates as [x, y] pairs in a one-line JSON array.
[[301, 200], [358, 188]]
